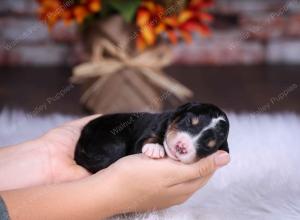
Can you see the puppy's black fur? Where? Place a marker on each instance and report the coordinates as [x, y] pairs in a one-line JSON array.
[[110, 137]]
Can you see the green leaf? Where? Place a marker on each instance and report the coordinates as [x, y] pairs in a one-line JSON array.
[[127, 8]]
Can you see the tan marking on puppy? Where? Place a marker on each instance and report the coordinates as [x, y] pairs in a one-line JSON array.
[[211, 143], [195, 120], [171, 130], [173, 123]]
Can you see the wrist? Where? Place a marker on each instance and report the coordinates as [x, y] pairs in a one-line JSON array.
[[89, 198], [24, 165], [105, 187]]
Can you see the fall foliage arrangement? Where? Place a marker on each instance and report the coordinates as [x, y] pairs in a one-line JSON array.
[[129, 45], [175, 20]]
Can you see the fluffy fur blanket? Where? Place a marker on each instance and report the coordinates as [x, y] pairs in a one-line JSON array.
[[261, 182]]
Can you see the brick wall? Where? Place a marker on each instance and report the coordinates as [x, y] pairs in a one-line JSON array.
[[245, 32]]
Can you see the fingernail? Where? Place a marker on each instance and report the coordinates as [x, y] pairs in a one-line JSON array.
[[222, 159]]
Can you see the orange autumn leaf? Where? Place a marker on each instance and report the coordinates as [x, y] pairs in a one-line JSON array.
[[187, 36], [80, 13], [172, 37], [67, 17], [204, 30], [205, 16], [184, 16], [52, 11], [143, 18], [148, 35], [189, 20], [151, 6], [95, 6], [201, 3], [160, 28], [140, 43], [171, 21]]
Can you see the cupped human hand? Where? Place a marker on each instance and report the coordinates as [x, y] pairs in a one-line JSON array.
[[139, 183], [45, 160], [132, 184], [60, 145]]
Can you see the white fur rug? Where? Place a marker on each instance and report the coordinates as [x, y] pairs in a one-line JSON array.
[[261, 182]]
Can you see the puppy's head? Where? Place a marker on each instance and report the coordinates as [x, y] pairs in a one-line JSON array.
[[195, 131]]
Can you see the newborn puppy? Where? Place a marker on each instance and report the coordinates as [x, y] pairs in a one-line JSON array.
[[187, 134]]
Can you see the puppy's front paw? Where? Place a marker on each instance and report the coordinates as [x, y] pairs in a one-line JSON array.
[[153, 150]]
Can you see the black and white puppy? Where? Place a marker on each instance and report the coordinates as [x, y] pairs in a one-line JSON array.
[[187, 134]]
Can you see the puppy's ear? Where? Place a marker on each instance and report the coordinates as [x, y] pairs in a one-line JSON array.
[[181, 109], [224, 147], [185, 107]]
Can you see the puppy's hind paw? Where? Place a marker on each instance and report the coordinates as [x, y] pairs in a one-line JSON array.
[[153, 151]]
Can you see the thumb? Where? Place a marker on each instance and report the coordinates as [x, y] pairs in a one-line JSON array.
[[202, 168], [209, 164], [79, 123]]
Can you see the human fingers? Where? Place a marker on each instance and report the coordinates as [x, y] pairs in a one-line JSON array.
[[188, 188], [80, 123], [72, 173], [186, 172], [182, 192]]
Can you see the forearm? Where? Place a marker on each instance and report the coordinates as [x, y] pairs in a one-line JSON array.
[[85, 199], [23, 165]]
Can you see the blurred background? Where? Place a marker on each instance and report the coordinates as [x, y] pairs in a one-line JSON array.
[[250, 63]]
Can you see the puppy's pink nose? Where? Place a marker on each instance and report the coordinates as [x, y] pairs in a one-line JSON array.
[[181, 147]]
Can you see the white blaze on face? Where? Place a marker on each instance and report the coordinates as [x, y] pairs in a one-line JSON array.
[[187, 141], [212, 124]]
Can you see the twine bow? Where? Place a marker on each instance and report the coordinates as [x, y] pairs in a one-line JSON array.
[[108, 59]]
